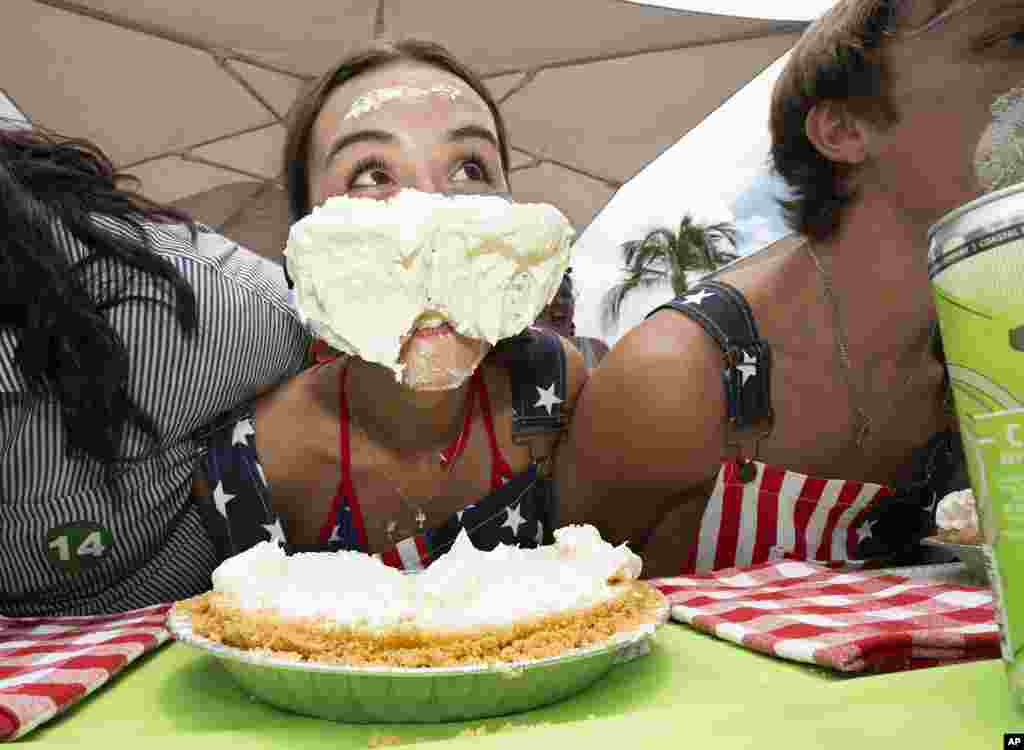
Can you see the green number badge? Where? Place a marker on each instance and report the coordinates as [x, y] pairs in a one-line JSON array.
[[77, 546]]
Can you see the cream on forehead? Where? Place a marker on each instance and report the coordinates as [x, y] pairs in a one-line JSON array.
[[374, 100]]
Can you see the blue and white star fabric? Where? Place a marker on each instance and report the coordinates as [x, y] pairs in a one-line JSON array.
[[238, 513], [723, 312]]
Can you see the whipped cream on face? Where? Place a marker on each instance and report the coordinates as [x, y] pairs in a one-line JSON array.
[[957, 511], [374, 100], [368, 273], [464, 588]]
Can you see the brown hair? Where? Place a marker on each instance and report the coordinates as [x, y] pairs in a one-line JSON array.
[[377, 54], [839, 59]]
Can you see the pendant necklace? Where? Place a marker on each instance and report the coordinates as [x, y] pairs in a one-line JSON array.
[[862, 420], [447, 460]]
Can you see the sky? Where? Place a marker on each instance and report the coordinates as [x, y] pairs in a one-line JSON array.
[[718, 172]]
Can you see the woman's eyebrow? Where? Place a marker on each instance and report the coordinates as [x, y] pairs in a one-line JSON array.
[[467, 132], [359, 136]]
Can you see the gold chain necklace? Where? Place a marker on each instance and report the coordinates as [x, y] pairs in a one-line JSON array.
[[857, 396]]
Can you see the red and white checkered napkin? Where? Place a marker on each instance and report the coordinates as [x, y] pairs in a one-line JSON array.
[[47, 664], [850, 621]]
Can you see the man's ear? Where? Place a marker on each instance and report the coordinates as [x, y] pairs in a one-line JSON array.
[[838, 135]]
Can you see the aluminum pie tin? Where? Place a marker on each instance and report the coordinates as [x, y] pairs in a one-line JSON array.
[[971, 555], [394, 695]]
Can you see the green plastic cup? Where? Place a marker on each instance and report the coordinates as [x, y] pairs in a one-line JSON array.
[[976, 266]]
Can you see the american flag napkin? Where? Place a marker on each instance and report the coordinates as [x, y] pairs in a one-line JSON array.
[[47, 664], [849, 621]]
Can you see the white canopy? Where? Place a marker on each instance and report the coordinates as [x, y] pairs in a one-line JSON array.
[[191, 95]]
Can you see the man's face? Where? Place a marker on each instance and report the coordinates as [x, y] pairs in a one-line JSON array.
[[944, 75]]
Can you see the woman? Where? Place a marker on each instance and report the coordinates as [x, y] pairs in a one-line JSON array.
[[121, 328], [355, 459]]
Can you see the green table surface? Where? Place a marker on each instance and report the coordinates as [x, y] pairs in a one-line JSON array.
[[692, 688]]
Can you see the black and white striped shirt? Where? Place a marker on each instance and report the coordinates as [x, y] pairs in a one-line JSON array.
[[72, 544]]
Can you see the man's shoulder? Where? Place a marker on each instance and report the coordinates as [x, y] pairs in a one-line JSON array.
[[667, 340], [651, 414], [667, 367]]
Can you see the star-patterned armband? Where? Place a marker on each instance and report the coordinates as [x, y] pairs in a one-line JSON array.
[[723, 312]]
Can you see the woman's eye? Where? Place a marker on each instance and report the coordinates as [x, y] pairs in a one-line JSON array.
[[369, 178], [471, 170]]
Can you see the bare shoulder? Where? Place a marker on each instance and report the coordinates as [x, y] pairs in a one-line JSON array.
[[660, 383], [303, 387]]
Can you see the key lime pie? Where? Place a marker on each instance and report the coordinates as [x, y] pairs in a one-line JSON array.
[[958, 532], [956, 517], [470, 607]]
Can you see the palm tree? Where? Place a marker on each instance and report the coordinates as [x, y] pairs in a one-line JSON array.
[[666, 256]]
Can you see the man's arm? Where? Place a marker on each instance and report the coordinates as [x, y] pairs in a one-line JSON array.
[[647, 430]]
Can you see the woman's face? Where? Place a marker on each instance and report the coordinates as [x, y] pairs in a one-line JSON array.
[[410, 125]]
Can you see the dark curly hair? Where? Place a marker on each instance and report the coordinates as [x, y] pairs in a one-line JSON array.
[[839, 59], [51, 192]]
